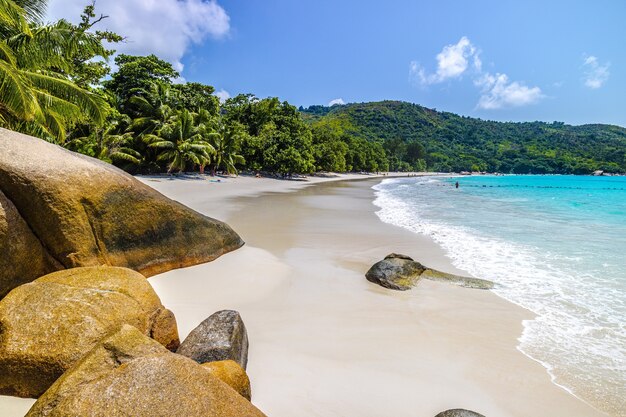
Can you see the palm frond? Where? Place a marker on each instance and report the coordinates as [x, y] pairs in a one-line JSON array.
[[14, 16], [15, 94], [92, 104]]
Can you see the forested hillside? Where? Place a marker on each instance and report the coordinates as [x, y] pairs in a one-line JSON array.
[[455, 143]]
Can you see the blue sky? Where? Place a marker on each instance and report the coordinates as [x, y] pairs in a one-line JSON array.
[[500, 60]]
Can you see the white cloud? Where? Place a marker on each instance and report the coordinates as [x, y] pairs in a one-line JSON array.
[[452, 62], [499, 92], [336, 101], [223, 95], [165, 28], [596, 74]]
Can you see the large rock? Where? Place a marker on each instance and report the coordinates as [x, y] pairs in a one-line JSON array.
[[396, 272], [221, 336], [86, 212], [50, 323], [458, 412], [231, 373], [401, 272], [23, 257], [128, 374]]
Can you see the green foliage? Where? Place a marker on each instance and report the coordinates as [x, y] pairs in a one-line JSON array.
[[226, 141], [88, 56], [141, 120], [137, 74], [182, 141], [37, 64], [277, 140], [412, 134], [196, 96]]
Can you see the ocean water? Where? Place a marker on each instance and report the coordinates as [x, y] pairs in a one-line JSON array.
[[555, 245]]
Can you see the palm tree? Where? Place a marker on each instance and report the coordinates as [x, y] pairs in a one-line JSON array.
[[37, 95], [152, 108], [182, 141], [226, 141], [107, 143]]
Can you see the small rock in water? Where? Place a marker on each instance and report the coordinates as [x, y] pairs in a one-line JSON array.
[[459, 412], [221, 336]]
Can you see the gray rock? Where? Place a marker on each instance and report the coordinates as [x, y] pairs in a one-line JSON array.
[[220, 337], [459, 412], [396, 272], [401, 272]]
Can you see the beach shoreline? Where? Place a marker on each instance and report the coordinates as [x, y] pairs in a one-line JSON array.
[[287, 226], [325, 341]]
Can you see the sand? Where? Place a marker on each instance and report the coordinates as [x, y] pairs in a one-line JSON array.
[[326, 342]]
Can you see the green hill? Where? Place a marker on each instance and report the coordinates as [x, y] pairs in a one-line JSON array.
[[456, 143]]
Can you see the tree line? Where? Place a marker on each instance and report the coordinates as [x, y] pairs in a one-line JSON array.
[[56, 84]]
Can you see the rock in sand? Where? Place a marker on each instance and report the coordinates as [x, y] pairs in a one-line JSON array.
[[49, 324], [401, 272], [86, 212], [129, 374], [221, 336]]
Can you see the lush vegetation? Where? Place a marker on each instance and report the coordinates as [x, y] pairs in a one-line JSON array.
[[411, 134], [55, 84]]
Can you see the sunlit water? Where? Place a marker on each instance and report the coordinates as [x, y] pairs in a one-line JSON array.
[[555, 245]]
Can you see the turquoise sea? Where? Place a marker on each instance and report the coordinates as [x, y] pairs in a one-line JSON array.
[[555, 245]]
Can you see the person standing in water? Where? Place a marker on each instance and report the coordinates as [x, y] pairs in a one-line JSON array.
[[456, 185]]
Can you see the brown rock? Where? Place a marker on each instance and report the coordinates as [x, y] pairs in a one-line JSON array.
[[23, 258], [221, 336], [231, 373], [50, 323], [396, 272], [86, 212], [401, 272], [128, 374]]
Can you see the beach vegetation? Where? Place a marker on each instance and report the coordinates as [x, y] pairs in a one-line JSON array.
[[44, 71], [55, 83]]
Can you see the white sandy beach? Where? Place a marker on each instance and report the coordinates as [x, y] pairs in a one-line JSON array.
[[326, 342]]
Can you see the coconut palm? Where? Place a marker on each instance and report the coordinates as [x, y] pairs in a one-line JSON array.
[[152, 108], [37, 95], [108, 143], [182, 141], [226, 140]]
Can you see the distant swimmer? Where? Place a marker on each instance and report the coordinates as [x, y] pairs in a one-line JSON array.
[[456, 185]]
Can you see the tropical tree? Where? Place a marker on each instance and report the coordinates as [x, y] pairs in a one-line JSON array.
[[226, 140], [182, 141], [136, 75], [151, 108], [110, 143], [37, 95]]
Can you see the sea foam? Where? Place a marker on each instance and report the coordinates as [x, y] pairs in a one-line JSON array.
[[541, 259]]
